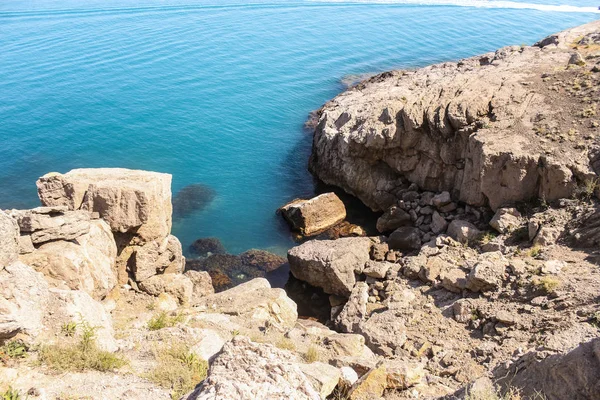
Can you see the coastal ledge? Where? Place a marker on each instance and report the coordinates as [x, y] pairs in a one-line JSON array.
[[493, 130]]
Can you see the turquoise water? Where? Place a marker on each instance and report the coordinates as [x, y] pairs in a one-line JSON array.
[[216, 92]]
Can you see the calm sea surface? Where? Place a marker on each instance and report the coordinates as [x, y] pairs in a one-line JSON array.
[[216, 92]]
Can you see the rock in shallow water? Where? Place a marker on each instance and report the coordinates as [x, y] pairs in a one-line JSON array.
[[207, 246], [310, 217]]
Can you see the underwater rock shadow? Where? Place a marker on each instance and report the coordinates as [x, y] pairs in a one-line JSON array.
[[192, 198]]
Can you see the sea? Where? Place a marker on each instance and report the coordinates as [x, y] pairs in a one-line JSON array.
[[216, 92]]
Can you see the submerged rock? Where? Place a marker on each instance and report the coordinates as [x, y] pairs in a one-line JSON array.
[[262, 259], [207, 246], [192, 198]]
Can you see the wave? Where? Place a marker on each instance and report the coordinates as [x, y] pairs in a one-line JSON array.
[[474, 3], [298, 4]]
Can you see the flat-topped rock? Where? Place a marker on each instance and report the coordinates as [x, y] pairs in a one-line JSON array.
[[129, 200], [310, 217]]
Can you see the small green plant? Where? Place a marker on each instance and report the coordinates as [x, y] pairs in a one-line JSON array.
[[82, 355], [177, 369], [235, 332], [69, 328], [164, 320], [13, 350], [534, 251], [11, 394], [546, 284], [312, 354], [487, 237]]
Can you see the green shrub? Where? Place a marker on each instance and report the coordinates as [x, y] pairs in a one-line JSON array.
[[164, 320]]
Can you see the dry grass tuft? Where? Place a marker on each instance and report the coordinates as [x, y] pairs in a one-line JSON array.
[[177, 369]]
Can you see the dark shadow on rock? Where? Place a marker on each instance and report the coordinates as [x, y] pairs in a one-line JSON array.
[[356, 212], [192, 198], [312, 302]]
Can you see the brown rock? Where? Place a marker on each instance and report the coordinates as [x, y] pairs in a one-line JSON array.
[[310, 217]]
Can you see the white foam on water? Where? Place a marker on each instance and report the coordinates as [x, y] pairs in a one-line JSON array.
[[475, 3]]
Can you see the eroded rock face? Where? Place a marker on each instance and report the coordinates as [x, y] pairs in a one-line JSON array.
[[245, 370], [313, 216], [470, 128], [202, 284], [157, 257], [88, 263], [45, 224], [9, 239], [127, 199], [23, 300], [330, 264]]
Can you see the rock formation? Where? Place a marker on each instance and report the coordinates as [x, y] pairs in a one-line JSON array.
[[492, 130], [136, 205]]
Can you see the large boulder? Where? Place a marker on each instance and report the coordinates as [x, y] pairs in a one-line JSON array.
[[313, 216], [23, 300], [256, 303], [330, 264], [463, 231], [202, 284], [9, 239], [129, 200], [45, 224], [88, 263], [178, 285], [247, 371]]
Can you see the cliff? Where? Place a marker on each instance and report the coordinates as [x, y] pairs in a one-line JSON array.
[[493, 129]]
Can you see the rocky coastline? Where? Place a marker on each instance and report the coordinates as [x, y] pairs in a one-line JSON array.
[[481, 282]]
